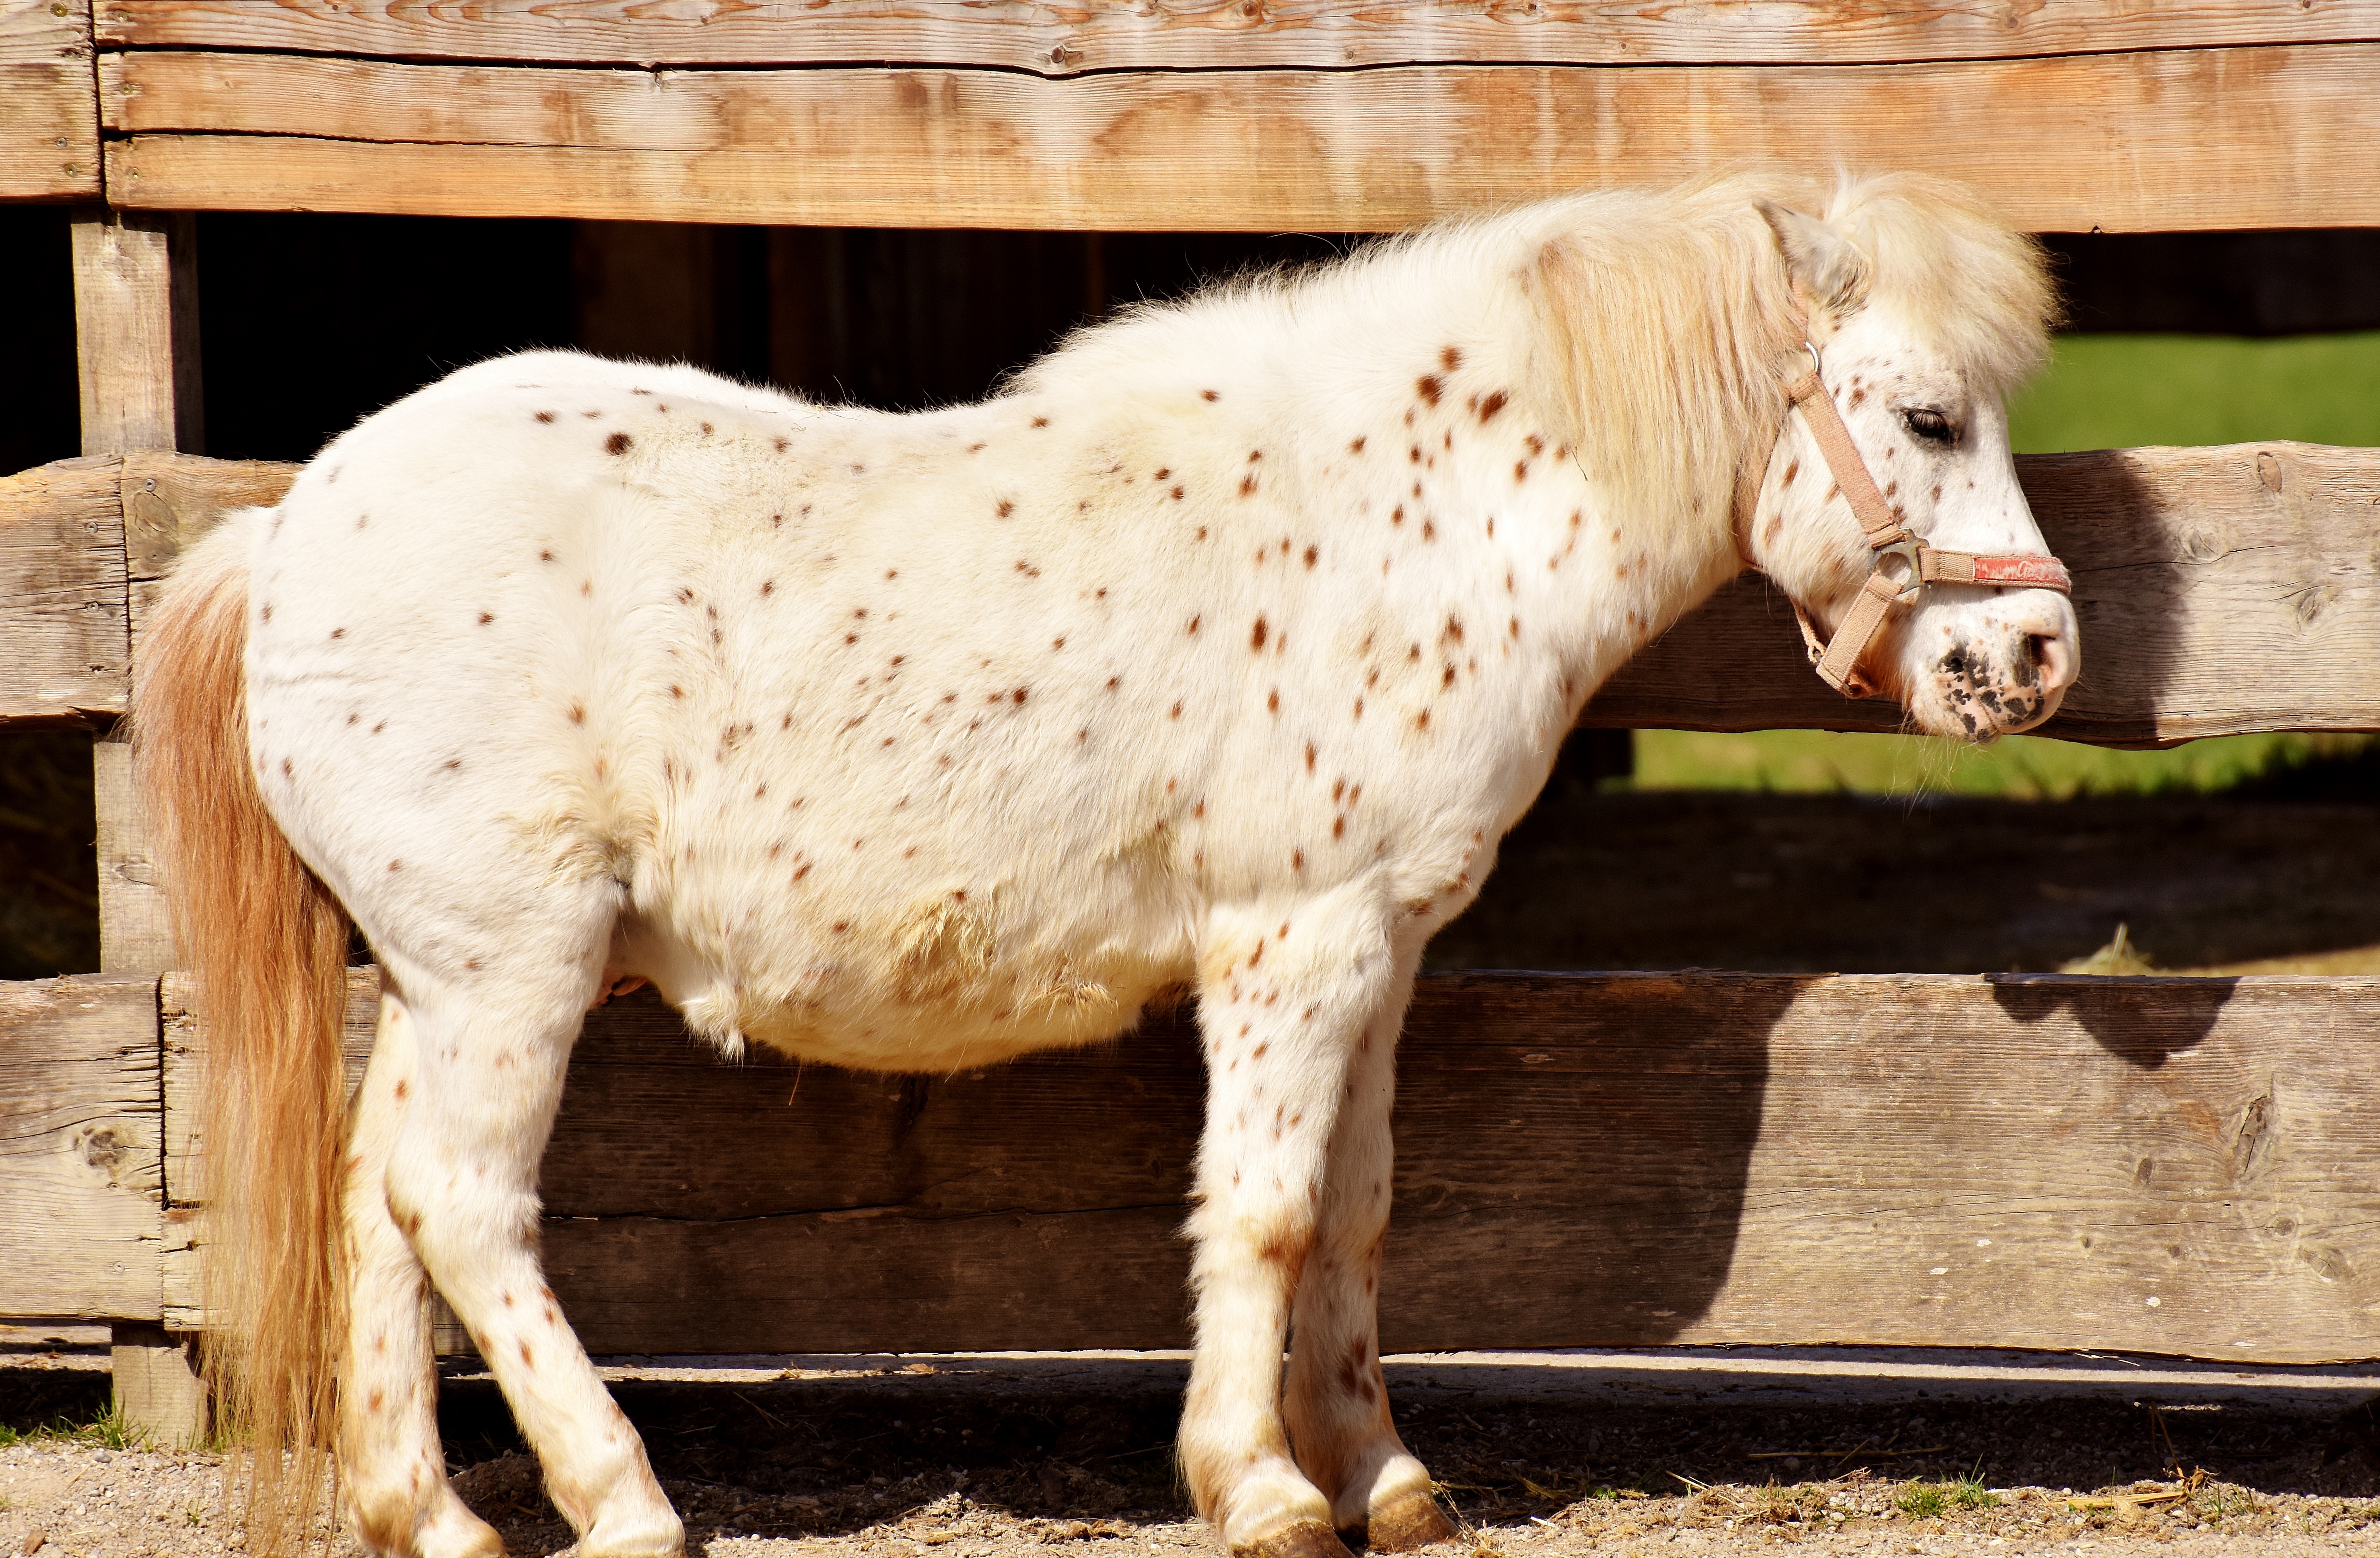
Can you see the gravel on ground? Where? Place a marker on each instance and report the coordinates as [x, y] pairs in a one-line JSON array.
[[1542, 1456]]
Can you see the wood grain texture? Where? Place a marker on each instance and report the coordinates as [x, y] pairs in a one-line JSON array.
[[1055, 40], [137, 331], [158, 1387], [2206, 581], [2256, 136], [63, 657], [136, 925], [2221, 590], [80, 1148], [49, 132], [170, 499], [2161, 1165]]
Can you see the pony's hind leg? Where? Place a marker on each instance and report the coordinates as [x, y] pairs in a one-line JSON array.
[[1284, 994], [390, 1460], [1336, 1401], [493, 1040]]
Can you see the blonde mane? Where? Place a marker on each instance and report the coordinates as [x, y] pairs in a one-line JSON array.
[[1666, 316]]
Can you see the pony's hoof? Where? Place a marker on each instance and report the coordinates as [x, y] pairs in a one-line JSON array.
[[1408, 1521], [1302, 1539]]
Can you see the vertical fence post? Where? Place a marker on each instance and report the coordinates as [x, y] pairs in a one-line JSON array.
[[137, 360]]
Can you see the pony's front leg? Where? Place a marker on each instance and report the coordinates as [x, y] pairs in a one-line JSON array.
[[1337, 1401], [490, 1055], [1284, 993], [390, 1461]]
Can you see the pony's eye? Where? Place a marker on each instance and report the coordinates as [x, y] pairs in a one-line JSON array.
[[1930, 427]]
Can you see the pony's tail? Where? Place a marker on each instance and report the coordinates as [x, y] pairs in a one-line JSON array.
[[267, 943]]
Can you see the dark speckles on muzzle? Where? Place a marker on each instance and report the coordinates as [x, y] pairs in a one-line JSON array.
[[1986, 699]]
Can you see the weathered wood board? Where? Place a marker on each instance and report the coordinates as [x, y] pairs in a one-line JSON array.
[[1054, 40], [64, 654], [2221, 590], [135, 283], [2206, 581], [81, 1130], [136, 925], [2267, 136], [2161, 1165], [49, 117]]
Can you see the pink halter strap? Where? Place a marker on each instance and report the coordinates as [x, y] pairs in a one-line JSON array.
[[1838, 660]]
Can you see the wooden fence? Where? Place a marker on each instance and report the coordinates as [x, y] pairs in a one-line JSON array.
[[2172, 1165]]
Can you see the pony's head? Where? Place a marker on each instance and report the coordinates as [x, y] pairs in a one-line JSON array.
[[1922, 312]]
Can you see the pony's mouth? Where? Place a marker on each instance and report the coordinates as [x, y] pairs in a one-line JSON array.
[[1973, 694]]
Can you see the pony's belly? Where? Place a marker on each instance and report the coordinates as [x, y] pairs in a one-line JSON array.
[[873, 1034]]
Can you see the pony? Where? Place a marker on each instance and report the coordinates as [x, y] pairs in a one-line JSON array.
[[1219, 649]]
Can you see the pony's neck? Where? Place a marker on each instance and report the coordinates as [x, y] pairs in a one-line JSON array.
[[1435, 354], [1414, 399]]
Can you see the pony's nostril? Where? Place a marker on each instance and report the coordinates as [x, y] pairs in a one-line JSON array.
[[2047, 651]]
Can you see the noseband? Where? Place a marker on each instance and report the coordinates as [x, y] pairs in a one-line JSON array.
[[1837, 660]]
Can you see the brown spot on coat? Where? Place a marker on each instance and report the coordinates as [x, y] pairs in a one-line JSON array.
[[617, 443], [1489, 406]]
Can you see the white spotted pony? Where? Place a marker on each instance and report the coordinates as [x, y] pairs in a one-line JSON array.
[[1220, 647]]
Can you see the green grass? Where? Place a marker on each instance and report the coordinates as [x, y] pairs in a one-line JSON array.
[[2115, 391], [1926, 1501], [2099, 392], [2019, 767], [110, 1431]]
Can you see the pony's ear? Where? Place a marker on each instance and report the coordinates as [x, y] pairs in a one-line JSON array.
[[1825, 268]]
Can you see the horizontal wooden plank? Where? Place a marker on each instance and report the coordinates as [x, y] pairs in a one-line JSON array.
[[2159, 1165], [171, 500], [1053, 40], [2258, 137], [64, 655], [2220, 590], [49, 134], [79, 1148]]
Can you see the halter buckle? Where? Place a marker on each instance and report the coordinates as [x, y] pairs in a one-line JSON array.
[[1906, 548]]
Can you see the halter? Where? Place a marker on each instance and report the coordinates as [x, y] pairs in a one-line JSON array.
[[1888, 538]]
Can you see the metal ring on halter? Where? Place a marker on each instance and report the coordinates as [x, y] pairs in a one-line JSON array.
[[1907, 548]]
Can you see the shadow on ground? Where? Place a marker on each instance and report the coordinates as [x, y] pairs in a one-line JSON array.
[[827, 1457], [834, 1457]]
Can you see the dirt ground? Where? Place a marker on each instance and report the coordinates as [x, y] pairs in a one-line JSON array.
[[891, 1458]]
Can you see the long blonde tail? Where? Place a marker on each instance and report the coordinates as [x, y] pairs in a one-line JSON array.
[[267, 943]]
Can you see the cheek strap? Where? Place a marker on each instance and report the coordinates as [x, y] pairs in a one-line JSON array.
[[1837, 660]]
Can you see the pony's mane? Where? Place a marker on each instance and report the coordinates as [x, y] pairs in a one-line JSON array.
[[1665, 316], [1962, 278], [1662, 317]]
